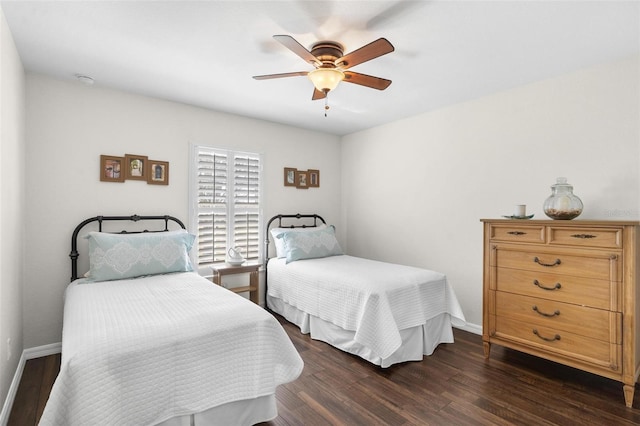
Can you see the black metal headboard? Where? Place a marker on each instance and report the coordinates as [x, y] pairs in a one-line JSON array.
[[100, 219]]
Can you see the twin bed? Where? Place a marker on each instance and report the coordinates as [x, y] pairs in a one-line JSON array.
[[384, 313], [147, 341]]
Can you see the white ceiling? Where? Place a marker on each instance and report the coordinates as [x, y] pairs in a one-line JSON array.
[[204, 53]]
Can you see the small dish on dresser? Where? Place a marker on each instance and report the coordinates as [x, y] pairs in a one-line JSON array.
[[235, 262], [519, 217]]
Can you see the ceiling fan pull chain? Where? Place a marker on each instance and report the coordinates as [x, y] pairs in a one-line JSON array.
[[326, 104]]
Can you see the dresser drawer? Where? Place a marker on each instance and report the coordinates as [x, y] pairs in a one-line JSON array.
[[586, 237], [593, 351], [518, 233], [601, 294], [598, 265], [580, 320]]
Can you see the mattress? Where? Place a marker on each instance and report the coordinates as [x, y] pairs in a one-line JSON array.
[[142, 351], [377, 303]]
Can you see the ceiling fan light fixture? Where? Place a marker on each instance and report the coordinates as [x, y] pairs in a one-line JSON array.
[[326, 79]]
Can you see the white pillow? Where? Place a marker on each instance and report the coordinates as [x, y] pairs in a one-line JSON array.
[[279, 242]]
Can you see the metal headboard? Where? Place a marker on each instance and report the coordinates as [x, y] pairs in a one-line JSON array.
[[279, 218], [133, 218]]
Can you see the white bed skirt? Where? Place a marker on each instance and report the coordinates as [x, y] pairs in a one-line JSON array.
[[237, 413], [416, 341]]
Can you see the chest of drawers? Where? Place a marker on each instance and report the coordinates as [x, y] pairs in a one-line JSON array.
[[566, 291]]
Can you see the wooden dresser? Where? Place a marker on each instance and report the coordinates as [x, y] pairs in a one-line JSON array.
[[566, 291]]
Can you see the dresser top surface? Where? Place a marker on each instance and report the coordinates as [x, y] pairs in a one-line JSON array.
[[573, 222]]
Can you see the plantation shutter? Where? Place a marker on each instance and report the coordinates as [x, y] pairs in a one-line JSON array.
[[228, 204], [246, 200]]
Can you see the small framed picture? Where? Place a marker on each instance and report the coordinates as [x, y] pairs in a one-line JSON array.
[[111, 168], [290, 176], [136, 167], [158, 173], [302, 179], [314, 178]]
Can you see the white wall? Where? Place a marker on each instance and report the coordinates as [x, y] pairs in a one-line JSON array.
[[71, 125], [12, 122], [415, 190]]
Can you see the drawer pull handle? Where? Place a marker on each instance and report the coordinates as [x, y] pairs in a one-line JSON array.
[[546, 339], [584, 236], [544, 314], [516, 233], [539, 262], [555, 287]]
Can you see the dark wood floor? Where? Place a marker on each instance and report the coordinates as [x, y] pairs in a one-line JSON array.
[[35, 385], [454, 386]]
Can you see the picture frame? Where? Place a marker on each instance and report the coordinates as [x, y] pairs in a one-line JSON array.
[[314, 178], [158, 172], [111, 168], [302, 179], [135, 167], [290, 177]]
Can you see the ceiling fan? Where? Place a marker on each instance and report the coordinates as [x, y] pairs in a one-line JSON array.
[[332, 64]]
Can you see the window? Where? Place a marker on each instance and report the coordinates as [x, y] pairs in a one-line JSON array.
[[225, 193]]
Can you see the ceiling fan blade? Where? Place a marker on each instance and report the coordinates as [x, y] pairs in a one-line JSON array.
[[370, 51], [366, 80], [293, 45], [286, 74], [317, 94]]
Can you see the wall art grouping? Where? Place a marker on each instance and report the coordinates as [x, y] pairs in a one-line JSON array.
[[133, 167], [302, 179]]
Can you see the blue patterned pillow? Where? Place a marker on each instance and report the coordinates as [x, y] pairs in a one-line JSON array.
[[119, 256], [279, 242], [310, 245]]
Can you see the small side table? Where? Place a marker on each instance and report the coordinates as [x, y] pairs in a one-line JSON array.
[[222, 269]]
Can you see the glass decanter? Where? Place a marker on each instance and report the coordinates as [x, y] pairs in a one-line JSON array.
[[562, 204]]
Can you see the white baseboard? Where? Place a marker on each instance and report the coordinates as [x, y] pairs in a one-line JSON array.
[[40, 351], [13, 389], [27, 354], [472, 328]]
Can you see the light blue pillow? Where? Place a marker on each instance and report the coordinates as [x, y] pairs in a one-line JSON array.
[[310, 245], [119, 256], [279, 242]]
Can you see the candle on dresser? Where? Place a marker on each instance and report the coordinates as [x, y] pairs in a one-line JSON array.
[[521, 210]]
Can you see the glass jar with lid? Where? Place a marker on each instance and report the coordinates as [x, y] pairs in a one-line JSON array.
[[562, 204]]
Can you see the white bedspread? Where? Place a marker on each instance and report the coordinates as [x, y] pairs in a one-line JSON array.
[[140, 351], [373, 299]]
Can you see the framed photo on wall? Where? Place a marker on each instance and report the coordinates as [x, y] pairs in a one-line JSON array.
[[158, 173], [290, 176], [135, 167], [302, 179], [314, 178], [111, 168]]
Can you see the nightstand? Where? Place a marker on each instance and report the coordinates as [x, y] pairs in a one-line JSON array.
[[252, 269]]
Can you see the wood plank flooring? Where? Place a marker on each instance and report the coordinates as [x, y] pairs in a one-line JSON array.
[[35, 385], [454, 386]]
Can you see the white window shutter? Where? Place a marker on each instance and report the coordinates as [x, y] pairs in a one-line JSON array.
[[246, 200], [228, 186]]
